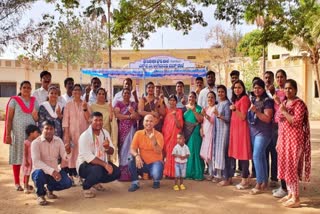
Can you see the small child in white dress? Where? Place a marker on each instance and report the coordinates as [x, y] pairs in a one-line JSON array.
[[181, 153]]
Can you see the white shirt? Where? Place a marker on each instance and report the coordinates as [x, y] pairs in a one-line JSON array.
[[229, 93], [87, 145], [64, 99], [92, 97], [180, 150], [45, 154], [179, 103], [202, 100], [40, 94], [118, 97]]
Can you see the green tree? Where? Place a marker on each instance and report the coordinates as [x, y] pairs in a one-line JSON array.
[[284, 22], [250, 45], [65, 38], [141, 17]]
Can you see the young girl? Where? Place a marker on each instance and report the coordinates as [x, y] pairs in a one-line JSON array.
[[32, 132]]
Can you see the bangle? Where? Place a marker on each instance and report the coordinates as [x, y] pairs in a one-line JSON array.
[[85, 109]]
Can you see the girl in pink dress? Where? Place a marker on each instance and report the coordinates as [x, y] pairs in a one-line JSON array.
[[32, 132]]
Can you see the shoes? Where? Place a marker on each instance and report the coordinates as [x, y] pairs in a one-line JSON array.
[[176, 188], [41, 200], [156, 185], [182, 187], [279, 193], [133, 188], [273, 184], [99, 187], [88, 193], [291, 203], [50, 195]]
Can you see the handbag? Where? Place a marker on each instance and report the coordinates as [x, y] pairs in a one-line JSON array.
[[188, 129]]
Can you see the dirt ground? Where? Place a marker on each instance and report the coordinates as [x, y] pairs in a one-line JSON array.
[[200, 196]]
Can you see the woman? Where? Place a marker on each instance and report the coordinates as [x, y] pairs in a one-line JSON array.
[[207, 133], [151, 105], [294, 148], [260, 119], [125, 112], [239, 145], [75, 121], [192, 117], [52, 110], [278, 98], [21, 111], [173, 123], [104, 108], [221, 160]]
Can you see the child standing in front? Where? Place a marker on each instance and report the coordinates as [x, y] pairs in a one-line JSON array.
[[32, 132], [181, 153]]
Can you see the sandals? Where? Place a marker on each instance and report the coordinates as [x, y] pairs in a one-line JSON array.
[[19, 188], [240, 186], [224, 183], [176, 188], [99, 187], [291, 203], [42, 200], [87, 193], [255, 191]]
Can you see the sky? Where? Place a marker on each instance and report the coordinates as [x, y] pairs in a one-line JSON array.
[[164, 38]]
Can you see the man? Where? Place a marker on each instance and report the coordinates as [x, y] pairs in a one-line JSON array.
[[146, 150], [91, 91], [67, 97], [199, 85], [41, 93], [94, 147], [159, 94], [127, 84], [45, 152], [268, 78], [182, 99], [211, 79], [234, 76]]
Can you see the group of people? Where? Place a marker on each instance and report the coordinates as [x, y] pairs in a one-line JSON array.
[[214, 128]]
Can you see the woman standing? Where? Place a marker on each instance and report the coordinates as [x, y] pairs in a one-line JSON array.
[[104, 108], [52, 110], [207, 133], [294, 148], [126, 113], [75, 121], [173, 123], [278, 98], [21, 111], [150, 105], [221, 160], [260, 118], [193, 118], [239, 146]]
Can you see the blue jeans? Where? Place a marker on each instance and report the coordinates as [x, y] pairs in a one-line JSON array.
[[259, 144], [94, 174], [40, 179], [155, 170]]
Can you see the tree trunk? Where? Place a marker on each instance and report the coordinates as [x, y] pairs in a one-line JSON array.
[[316, 69]]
